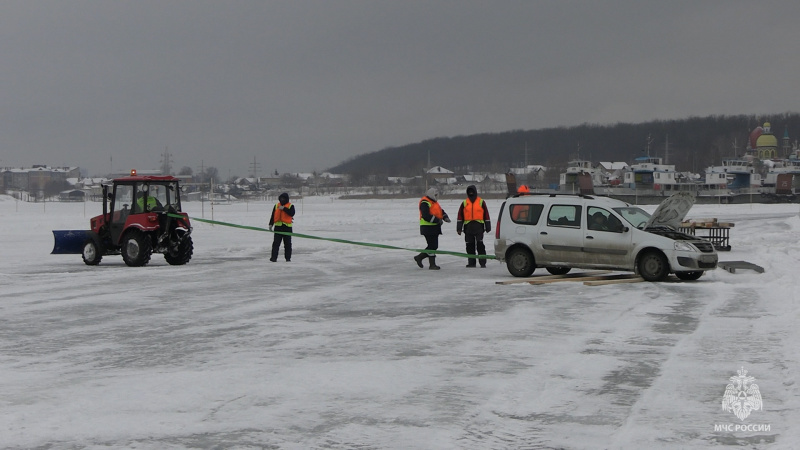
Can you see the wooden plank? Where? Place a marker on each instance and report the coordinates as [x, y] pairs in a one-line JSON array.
[[593, 278], [635, 279], [552, 277]]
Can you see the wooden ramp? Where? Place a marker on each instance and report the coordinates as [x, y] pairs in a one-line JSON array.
[[595, 278], [587, 279], [553, 277], [632, 279]]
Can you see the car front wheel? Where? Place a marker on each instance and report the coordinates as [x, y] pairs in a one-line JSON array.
[[689, 276], [653, 266]]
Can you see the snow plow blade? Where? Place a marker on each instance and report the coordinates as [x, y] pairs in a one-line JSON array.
[[69, 242]]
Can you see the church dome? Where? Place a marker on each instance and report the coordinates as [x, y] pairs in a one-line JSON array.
[[767, 140]]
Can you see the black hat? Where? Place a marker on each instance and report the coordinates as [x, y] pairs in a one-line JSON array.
[[283, 198], [472, 192]]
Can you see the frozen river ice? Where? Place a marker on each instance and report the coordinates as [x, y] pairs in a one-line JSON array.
[[356, 347]]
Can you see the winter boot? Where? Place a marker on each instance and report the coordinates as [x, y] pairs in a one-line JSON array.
[[433, 265], [471, 262], [419, 259], [482, 263]]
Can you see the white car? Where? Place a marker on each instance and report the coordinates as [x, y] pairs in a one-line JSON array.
[[560, 232]]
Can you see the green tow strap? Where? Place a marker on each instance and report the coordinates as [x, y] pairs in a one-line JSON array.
[[341, 241]]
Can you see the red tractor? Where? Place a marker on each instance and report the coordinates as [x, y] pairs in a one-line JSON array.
[[141, 215]]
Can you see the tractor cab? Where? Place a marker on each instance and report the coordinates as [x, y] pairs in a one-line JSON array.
[[139, 200]]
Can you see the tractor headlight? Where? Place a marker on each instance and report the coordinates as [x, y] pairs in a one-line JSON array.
[[684, 247]]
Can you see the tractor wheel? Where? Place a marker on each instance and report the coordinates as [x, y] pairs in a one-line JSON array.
[[92, 252], [653, 266], [136, 248], [183, 253], [558, 270], [520, 262]]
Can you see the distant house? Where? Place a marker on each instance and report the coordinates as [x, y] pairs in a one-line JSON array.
[[72, 195], [439, 174], [529, 169]]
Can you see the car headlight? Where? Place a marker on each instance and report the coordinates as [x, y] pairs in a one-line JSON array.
[[683, 246]]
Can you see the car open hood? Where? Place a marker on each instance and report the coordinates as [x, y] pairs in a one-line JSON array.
[[672, 210]]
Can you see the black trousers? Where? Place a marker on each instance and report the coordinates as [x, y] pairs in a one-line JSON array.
[[287, 242], [433, 242], [475, 242]]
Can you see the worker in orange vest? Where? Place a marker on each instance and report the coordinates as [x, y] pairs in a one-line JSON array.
[[431, 217], [281, 219], [474, 220]]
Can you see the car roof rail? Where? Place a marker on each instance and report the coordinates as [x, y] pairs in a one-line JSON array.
[[586, 196]]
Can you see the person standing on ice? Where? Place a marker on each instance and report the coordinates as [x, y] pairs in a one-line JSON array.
[[431, 217], [473, 219], [281, 220]]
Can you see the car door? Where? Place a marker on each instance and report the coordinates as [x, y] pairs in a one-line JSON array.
[[606, 242], [561, 237]]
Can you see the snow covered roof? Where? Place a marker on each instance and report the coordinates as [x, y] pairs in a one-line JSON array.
[[438, 169], [475, 177], [616, 165], [332, 175]]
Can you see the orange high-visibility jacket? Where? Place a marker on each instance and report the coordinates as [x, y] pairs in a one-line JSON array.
[[435, 209], [473, 210], [280, 217]]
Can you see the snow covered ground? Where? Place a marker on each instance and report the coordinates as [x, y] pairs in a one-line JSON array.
[[355, 347]]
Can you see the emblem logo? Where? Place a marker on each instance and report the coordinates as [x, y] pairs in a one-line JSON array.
[[741, 395]]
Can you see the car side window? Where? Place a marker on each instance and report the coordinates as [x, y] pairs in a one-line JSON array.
[[564, 216], [526, 214], [599, 219]]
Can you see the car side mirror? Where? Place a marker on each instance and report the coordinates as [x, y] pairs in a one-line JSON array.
[[625, 229]]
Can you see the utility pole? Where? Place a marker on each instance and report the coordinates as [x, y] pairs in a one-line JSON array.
[[526, 154], [166, 162], [666, 150], [254, 166]]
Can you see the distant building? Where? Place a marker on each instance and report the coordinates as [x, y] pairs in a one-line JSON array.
[[36, 177]]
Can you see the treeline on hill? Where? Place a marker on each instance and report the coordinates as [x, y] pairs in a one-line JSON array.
[[694, 144]]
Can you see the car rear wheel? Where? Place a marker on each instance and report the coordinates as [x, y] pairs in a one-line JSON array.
[[653, 266], [520, 262], [689, 276]]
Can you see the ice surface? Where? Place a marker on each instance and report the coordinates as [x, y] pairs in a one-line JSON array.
[[356, 347]]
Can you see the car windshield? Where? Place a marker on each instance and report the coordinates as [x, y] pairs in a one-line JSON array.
[[635, 216]]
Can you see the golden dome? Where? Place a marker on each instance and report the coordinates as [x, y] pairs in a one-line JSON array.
[[767, 140]]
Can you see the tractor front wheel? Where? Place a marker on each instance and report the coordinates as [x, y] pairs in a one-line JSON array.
[[92, 252], [136, 248], [182, 254]]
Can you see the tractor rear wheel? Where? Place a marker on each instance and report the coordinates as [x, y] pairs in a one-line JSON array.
[[92, 252], [183, 253], [136, 248]]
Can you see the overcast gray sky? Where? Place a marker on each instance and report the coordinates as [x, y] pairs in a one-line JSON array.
[[303, 85]]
